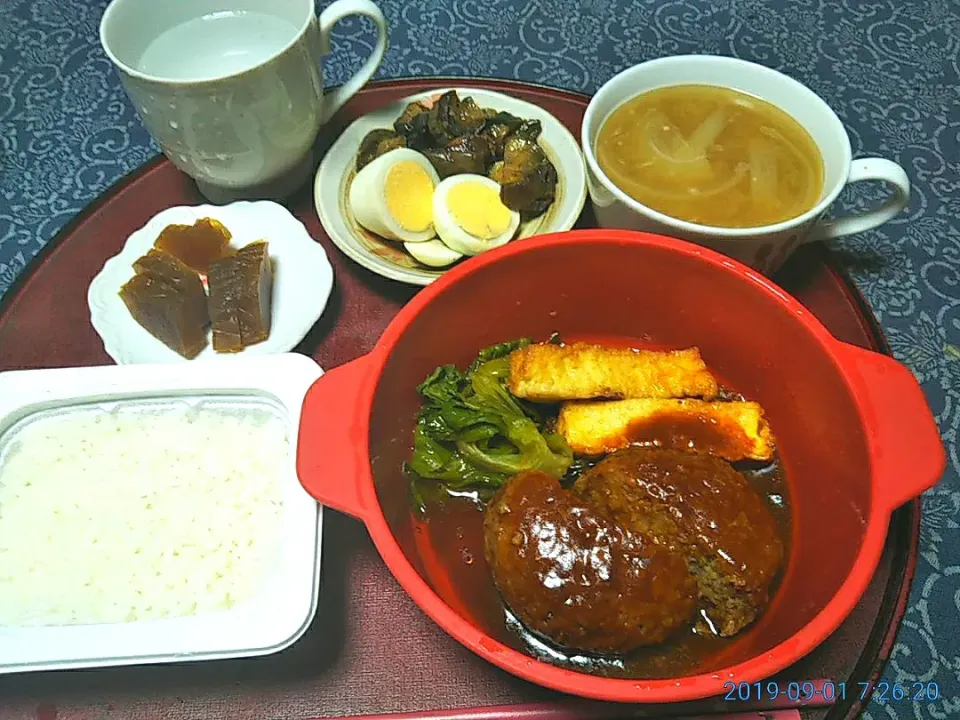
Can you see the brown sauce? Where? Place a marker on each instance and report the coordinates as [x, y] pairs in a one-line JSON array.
[[450, 542], [685, 431]]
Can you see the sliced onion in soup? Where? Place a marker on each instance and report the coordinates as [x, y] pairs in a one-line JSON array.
[[763, 171], [707, 132], [666, 146]]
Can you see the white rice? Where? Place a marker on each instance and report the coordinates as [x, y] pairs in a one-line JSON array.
[[132, 515]]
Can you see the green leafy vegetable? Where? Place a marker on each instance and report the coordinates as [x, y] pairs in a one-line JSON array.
[[472, 434]]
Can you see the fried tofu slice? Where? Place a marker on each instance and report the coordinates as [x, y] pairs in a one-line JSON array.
[[581, 371], [730, 430]]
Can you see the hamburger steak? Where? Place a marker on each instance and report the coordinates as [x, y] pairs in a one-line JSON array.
[[703, 509], [570, 573]]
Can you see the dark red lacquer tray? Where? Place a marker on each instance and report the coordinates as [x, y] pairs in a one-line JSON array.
[[370, 650]]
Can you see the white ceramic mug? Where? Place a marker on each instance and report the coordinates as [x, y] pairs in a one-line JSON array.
[[764, 248], [232, 90]]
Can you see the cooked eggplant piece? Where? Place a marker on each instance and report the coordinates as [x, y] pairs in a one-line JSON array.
[[376, 143], [497, 129], [528, 180], [412, 125], [465, 154], [442, 121], [450, 118], [458, 136], [471, 116], [529, 129], [410, 113]]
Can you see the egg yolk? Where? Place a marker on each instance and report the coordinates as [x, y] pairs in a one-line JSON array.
[[408, 191], [478, 210]]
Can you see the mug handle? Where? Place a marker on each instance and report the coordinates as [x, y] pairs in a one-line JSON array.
[[333, 14], [861, 170]]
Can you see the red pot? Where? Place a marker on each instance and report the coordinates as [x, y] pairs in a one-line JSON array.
[[856, 436]]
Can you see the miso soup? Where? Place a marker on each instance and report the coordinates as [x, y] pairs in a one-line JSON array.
[[712, 156]]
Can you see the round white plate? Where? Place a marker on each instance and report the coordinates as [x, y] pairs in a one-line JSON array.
[[330, 189], [302, 281]]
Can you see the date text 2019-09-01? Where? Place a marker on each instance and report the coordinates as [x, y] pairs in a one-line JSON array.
[[829, 691]]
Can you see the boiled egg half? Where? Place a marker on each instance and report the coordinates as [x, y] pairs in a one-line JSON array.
[[469, 216], [432, 253], [392, 196]]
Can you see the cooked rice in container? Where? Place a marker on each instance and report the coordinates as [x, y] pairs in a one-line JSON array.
[[137, 514]]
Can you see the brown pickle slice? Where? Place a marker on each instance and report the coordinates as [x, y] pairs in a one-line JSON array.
[[256, 290], [224, 288], [195, 245], [169, 269], [241, 286], [176, 317]]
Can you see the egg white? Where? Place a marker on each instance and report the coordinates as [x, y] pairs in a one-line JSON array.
[[432, 253], [450, 232], [367, 196]]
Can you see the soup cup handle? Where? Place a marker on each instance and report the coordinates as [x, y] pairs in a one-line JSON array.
[[333, 438], [907, 453], [335, 12], [862, 170]]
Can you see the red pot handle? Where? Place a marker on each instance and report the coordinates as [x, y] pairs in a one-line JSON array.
[[908, 453], [331, 448]]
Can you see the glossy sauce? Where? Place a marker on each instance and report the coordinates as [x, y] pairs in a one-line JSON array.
[[571, 573], [449, 539], [683, 431], [701, 507], [450, 542]]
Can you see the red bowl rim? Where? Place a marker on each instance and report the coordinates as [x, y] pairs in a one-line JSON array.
[[669, 690]]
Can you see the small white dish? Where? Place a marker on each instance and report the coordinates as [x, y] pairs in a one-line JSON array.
[[302, 281], [390, 259]]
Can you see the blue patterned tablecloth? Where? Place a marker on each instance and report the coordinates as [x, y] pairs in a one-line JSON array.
[[890, 68]]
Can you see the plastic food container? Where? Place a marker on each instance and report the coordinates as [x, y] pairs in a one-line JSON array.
[[856, 436], [279, 609]]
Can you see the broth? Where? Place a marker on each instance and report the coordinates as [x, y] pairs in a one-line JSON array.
[[712, 156]]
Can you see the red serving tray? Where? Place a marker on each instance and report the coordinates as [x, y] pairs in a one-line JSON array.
[[370, 650]]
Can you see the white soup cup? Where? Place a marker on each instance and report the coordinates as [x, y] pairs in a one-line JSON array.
[[765, 248]]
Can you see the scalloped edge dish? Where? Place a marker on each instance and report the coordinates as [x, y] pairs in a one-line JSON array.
[[303, 281]]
